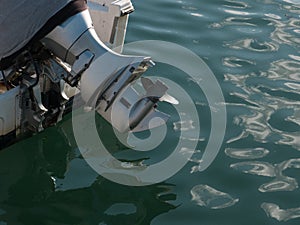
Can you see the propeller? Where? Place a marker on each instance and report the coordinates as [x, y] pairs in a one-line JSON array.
[[158, 91]]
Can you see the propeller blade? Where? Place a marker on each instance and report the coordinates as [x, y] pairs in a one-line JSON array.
[[157, 89], [168, 98]]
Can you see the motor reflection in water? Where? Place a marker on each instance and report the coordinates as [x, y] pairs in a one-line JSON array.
[[37, 186]]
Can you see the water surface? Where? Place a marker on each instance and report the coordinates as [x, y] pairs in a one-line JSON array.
[[252, 47]]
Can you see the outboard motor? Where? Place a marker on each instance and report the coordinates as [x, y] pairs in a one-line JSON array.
[[105, 76], [71, 59]]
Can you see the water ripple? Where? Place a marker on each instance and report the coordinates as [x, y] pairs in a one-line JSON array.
[[255, 168], [292, 1], [284, 32], [275, 117], [236, 4], [236, 62], [252, 45], [204, 195], [236, 21], [281, 182], [272, 210], [236, 12], [284, 68], [246, 153]]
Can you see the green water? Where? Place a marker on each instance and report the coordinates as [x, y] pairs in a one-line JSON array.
[[252, 47]]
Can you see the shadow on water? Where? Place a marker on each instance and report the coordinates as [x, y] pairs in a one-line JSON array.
[[35, 187]]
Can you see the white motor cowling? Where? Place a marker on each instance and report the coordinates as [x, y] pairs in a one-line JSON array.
[[105, 76], [110, 19]]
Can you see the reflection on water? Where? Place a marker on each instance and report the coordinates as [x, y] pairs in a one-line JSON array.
[[256, 168], [273, 210], [266, 89], [280, 181], [121, 208], [252, 45], [204, 195], [247, 153], [46, 187]]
